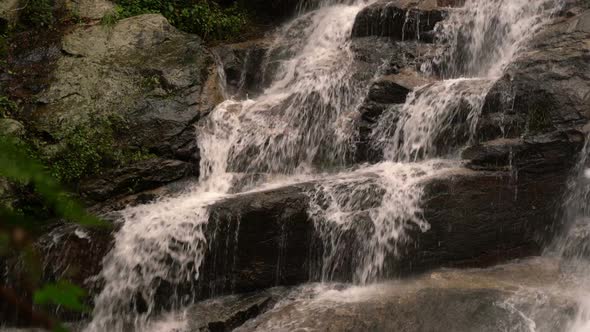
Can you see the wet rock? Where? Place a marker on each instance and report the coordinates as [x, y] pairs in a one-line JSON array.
[[394, 88], [268, 236], [137, 177], [476, 218], [450, 3], [445, 300], [578, 240], [547, 88], [75, 253], [399, 19], [398, 76], [553, 152], [227, 313], [262, 239], [246, 66]]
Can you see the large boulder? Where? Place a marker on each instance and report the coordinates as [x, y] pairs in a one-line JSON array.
[[476, 218], [143, 69]]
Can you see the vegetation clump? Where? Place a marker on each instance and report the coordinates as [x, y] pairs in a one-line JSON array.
[[7, 106], [206, 18], [538, 119], [88, 148]]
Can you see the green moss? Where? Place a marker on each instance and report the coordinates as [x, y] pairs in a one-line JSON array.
[[205, 18], [36, 13], [4, 51], [539, 119], [112, 17], [7, 107], [88, 149]]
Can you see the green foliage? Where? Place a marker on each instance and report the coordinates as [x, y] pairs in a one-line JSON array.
[[63, 294], [111, 18], [36, 13], [86, 147], [89, 148], [16, 165], [205, 18], [7, 106], [3, 48], [538, 119]]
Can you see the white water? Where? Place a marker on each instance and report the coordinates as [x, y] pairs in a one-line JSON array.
[[302, 127], [572, 246]]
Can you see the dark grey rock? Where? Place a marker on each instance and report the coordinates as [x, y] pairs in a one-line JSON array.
[[137, 177], [398, 19]]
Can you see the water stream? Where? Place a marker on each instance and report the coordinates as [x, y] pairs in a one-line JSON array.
[[303, 128]]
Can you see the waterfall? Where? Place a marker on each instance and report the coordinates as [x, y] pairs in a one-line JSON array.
[[300, 123], [436, 121], [303, 127], [572, 246]]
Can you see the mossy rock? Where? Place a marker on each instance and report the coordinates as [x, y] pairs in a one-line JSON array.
[[155, 78]]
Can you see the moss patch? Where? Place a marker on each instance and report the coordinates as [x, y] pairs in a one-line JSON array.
[[538, 119], [36, 13], [88, 149], [204, 18]]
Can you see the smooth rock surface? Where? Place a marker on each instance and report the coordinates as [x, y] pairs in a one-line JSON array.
[[137, 177]]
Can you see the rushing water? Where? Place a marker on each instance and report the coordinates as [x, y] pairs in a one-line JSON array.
[[302, 127], [572, 246]]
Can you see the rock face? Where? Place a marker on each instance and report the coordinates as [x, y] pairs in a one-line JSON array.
[[267, 238], [142, 68], [246, 67], [140, 176], [153, 80], [399, 20], [475, 217]]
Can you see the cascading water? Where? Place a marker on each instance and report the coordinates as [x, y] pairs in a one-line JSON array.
[[480, 40], [298, 123], [303, 127], [572, 247]]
